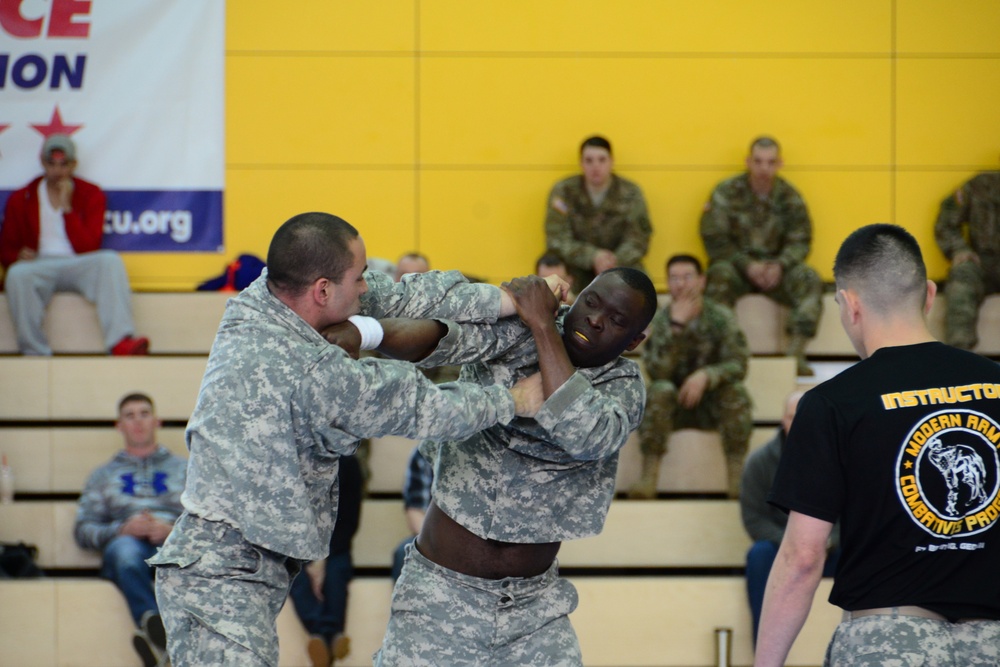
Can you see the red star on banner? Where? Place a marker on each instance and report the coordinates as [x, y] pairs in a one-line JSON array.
[[56, 126]]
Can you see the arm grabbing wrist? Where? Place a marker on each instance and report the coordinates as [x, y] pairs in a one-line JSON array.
[[559, 287], [536, 305]]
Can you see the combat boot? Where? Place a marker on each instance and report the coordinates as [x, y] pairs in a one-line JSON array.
[[645, 488], [797, 348]]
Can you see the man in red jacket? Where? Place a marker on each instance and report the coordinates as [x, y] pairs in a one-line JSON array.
[[51, 241]]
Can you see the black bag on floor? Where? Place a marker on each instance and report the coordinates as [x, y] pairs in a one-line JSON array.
[[17, 561]]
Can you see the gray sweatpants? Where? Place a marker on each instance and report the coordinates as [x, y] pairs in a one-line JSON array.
[[99, 276], [441, 618]]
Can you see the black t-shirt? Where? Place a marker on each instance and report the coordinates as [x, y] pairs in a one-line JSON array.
[[903, 449]]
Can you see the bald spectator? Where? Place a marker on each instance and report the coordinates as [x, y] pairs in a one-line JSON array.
[[411, 262], [757, 234]]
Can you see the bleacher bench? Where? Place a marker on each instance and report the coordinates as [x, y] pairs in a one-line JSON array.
[[186, 322], [176, 322], [637, 534], [57, 460], [621, 622]]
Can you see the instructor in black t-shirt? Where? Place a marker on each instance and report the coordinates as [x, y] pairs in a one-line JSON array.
[[903, 449]]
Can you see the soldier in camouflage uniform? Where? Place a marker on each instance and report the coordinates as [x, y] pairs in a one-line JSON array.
[[696, 358], [597, 220], [757, 233], [481, 584], [277, 408], [975, 261]]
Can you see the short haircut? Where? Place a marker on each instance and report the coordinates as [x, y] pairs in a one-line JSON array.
[[308, 247], [597, 141], [883, 263], [135, 397], [685, 259], [549, 258], [641, 283], [765, 141]]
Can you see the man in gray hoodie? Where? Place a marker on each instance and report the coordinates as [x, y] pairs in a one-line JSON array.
[[127, 509]]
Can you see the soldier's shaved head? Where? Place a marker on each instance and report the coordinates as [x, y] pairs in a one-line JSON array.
[[307, 247], [765, 141]]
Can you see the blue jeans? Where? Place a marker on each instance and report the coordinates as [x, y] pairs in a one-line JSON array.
[[125, 565], [760, 558], [326, 617]]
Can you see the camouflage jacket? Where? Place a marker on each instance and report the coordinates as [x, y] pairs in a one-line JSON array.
[[538, 480], [278, 406], [577, 229], [738, 226], [976, 204], [713, 342]]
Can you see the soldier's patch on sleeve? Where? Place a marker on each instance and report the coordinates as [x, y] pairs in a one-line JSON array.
[[559, 205], [707, 207], [960, 197]]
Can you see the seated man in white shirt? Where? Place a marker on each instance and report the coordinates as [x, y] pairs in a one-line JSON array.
[[51, 241]]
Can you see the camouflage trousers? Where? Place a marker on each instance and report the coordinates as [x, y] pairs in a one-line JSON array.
[[800, 289], [967, 286], [907, 641], [726, 409], [441, 618], [219, 596]]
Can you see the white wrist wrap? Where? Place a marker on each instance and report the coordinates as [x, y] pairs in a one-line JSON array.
[[371, 331]]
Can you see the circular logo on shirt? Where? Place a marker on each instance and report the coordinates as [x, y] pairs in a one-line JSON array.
[[948, 473]]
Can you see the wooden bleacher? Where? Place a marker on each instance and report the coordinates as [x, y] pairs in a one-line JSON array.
[[72, 389], [670, 618], [625, 543], [62, 388], [55, 426], [185, 323], [653, 621], [176, 323], [763, 321], [57, 460]]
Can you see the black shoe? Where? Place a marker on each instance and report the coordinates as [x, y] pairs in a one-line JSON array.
[[152, 626], [144, 647]]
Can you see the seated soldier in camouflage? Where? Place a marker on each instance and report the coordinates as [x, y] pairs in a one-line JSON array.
[[597, 220], [975, 256], [757, 233], [696, 358], [480, 586]]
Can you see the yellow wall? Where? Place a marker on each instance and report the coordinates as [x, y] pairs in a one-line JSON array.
[[439, 125]]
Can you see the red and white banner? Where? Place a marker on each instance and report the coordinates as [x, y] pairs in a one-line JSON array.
[[139, 86]]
